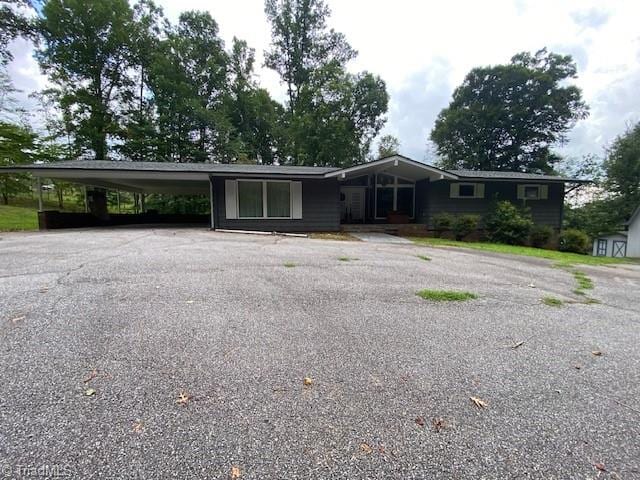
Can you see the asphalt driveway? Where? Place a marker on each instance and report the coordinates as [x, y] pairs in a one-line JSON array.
[[102, 330]]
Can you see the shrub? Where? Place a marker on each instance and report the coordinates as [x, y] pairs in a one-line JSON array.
[[464, 225], [540, 235], [442, 222], [507, 224], [573, 240]]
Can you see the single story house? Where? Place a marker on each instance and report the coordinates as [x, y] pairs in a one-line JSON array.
[[620, 244], [284, 198]]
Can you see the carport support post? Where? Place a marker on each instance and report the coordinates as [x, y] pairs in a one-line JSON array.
[[39, 183], [212, 213]]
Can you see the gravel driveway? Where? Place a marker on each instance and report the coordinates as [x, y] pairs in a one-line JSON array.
[[135, 317]]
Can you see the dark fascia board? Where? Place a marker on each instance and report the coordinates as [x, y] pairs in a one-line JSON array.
[[525, 180]]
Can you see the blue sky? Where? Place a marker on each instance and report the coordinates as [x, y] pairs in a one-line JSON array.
[[423, 49]]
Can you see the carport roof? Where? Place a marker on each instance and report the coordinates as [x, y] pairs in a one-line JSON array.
[[169, 167]]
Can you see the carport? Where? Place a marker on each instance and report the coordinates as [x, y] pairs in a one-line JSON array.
[[166, 178]]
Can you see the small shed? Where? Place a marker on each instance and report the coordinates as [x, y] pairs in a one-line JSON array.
[[610, 245], [633, 234]]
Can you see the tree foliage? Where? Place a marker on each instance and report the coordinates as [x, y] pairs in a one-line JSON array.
[[508, 117], [14, 23], [332, 115], [622, 167], [86, 52], [17, 146], [388, 145]]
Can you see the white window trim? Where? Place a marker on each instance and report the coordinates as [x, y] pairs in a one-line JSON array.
[[539, 186], [264, 200], [395, 185]]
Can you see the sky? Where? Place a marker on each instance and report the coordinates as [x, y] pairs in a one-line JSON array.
[[423, 49]]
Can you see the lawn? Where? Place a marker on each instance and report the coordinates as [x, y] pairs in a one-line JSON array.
[[560, 258], [17, 218]]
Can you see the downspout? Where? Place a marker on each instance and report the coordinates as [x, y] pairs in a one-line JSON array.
[[211, 205]]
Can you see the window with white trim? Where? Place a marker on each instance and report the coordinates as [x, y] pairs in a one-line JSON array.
[[602, 247], [466, 190], [264, 199], [533, 192]]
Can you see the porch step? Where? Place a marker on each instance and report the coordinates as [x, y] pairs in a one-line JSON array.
[[393, 228]]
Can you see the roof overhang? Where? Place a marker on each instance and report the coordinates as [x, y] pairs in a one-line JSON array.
[[396, 165]]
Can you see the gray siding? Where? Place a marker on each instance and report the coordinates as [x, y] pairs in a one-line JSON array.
[[434, 198], [320, 209]]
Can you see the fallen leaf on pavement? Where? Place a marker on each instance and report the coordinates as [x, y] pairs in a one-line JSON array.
[[307, 381], [44, 290], [138, 427], [438, 424], [420, 421], [366, 448], [93, 374], [577, 367], [235, 473], [479, 403], [597, 353], [18, 319], [89, 392], [532, 285], [183, 399], [600, 466], [519, 344]]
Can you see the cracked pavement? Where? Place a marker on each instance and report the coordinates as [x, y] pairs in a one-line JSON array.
[[143, 315]]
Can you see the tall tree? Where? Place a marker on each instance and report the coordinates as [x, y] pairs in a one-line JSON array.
[[139, 133], [332, 115], [254, 116], [622, 167], [388, 146], [14, 23], [188, 78], [508, 117], [86, 52]]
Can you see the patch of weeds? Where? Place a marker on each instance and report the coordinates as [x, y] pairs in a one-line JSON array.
[[445, 295], [424, 257], [341, 236], [346, 259], [552, 301], [592, 301], [289, 264], [584, 282]]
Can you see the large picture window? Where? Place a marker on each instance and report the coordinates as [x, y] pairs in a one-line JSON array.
[[250, 199], [394, 194], [264, 199], [278, 199]]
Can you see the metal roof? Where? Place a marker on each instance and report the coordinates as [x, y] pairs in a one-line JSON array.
[[208, 168]]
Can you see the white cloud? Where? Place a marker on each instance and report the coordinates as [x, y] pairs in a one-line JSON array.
[[424, 49]]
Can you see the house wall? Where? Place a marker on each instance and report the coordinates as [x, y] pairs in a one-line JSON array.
[[320, 209], [435, 198], [633, 242]]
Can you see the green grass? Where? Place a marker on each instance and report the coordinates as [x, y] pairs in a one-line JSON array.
[[552, 301], [561, 258], [445, 295], [584, 282], [424, 257], [289, 264], [346, 259], [17, 218]]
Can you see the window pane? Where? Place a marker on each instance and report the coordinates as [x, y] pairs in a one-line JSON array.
[[531, 192], [250, 199], [384, 203], [402, 181], [278, 199], [467, 190], [384, 179], [405, 201]]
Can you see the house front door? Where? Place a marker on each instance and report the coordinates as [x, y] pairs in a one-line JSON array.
[[353, 204]]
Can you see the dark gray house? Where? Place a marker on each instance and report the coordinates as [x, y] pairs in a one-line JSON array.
[[394, 190]]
